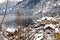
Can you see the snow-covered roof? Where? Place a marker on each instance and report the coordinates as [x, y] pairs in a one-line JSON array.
[[56, 30], [11, 29], [50, 25], [48, 18], [37, 36], [38, 20]]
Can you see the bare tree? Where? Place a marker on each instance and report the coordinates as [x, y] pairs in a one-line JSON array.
[[4, 15]]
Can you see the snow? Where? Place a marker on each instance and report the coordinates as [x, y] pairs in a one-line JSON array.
[[56, 30], [16, 0], [58, 3], [1, 1], [49, 38], [37, 12], [19, 26], [33, 30], [38, 20], [51, 25], [58, 17], [10, 30], [44, 11], [48, 3], [48, 18], [4, 10], [10, 8], [5, 38], [38, 36]]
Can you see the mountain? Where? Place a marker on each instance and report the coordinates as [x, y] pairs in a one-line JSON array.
[[34, 7], [11, 4], [30, 4]]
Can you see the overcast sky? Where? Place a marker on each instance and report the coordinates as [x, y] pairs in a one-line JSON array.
[[16, 0], [1, 1]]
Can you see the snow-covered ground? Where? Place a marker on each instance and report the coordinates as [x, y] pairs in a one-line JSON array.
[[35, 33]]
